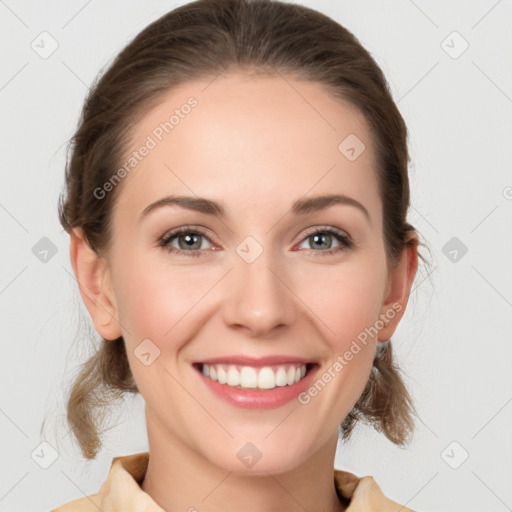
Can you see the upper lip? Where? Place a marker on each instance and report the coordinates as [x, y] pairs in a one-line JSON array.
[[255, 361]]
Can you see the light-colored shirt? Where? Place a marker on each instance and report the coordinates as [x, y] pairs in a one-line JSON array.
[[121, 491]]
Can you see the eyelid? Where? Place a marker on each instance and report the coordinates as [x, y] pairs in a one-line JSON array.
[[325, 228], [188, 228], [313, 229]]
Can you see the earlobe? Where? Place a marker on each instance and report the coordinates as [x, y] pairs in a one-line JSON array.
[[92, 273], [398, 288]]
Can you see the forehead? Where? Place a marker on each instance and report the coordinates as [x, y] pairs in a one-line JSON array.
[[258, 137]]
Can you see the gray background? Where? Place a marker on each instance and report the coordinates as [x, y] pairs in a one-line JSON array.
[[454, 343]]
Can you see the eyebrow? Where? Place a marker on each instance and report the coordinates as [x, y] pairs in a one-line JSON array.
[[299, 207]]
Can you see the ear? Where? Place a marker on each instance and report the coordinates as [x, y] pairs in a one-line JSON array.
[[398, 288], [93, 276]]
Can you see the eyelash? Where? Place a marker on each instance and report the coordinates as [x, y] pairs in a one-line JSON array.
[[345, 241]]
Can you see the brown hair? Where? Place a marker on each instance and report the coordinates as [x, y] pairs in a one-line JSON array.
[[199, 40]]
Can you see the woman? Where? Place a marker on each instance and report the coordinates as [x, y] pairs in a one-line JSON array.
[[236, 199]]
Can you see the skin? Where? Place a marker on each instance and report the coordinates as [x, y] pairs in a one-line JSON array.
[[254, 145]]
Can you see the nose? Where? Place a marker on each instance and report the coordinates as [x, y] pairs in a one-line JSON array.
[[257, 299]]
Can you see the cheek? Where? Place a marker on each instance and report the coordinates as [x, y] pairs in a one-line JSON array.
[[345, 299], [156, 303], [154, 300]]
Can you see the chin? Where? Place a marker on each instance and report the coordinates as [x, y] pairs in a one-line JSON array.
[[258, 458]]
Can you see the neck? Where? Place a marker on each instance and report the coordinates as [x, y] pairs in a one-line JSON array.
[[180, 479]]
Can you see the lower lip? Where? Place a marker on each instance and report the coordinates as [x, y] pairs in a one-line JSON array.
[[259, 399]]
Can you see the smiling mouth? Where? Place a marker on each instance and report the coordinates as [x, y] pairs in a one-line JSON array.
[[250, 377]]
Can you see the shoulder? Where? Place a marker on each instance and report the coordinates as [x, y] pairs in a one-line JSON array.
[[363, 494], [120, 491]]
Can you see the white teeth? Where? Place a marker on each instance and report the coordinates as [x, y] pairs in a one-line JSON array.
[[266, 378], [233, 376], [281, 379], [222, 376], [250, 378]]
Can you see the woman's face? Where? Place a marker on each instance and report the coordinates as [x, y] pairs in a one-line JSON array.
[[279, 268]]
